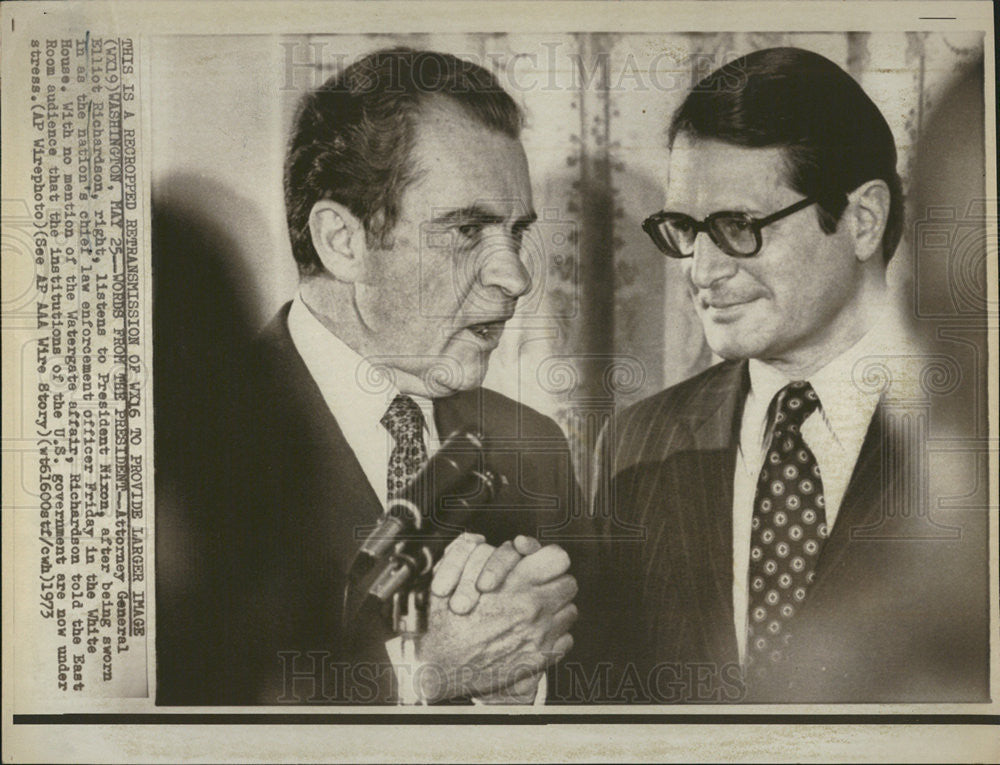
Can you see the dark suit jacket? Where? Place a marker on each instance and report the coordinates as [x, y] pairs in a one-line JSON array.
[[899, 608], [253, 612]]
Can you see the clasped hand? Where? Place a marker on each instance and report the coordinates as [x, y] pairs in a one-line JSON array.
[[498, 617]]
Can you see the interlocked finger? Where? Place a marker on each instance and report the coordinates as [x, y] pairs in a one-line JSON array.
[[543, 566], [449, 569], [499, 565], [466, 595]]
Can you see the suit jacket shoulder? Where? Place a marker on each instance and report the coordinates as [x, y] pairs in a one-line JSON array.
[[496, 415], [703, 406]]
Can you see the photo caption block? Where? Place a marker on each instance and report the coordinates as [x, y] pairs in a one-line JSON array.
[[89, 417]]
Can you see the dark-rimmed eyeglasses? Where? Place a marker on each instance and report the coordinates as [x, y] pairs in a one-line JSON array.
[[735, 233]]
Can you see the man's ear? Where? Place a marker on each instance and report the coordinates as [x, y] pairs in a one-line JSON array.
[[868, 211], [339, 240]]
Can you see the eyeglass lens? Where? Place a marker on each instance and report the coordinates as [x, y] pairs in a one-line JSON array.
[[733, 233]]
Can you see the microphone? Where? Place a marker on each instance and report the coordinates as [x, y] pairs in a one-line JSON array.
[[411, 532]]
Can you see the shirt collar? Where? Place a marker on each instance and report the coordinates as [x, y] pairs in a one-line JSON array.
[[845, 406]]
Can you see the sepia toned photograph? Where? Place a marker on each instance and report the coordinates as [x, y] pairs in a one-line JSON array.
[[622, 390], [506, 256]]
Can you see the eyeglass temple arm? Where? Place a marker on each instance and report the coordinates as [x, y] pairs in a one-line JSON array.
[[800, 205]]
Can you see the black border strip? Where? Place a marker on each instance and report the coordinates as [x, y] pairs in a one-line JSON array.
[[348, 718]]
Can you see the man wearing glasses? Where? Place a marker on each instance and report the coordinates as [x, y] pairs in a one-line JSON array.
[[783, 557]]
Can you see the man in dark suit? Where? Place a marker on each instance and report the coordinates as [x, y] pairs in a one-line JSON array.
[[407, 195], [768, 538]]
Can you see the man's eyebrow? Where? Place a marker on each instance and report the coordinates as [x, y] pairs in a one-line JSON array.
[[526, 220], [480, 214], [473, 212]]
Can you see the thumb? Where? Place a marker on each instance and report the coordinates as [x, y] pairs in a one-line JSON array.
[[543, 566]]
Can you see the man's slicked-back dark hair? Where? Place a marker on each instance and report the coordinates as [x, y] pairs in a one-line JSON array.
[[352, 136], [833, 136]]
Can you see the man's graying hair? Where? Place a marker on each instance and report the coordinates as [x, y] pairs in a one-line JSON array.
[[834, 138], [352, 137]]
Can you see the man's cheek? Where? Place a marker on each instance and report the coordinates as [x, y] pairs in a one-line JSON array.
[[686, 271], [435, 296]]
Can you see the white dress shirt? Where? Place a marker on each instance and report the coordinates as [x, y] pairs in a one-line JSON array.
[[358, 394], [835, 433]]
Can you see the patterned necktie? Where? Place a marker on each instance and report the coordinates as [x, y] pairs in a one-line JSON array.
[[787, 531], [405, 423]]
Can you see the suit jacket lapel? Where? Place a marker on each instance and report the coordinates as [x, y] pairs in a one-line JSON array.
[[347, 505], [861, 506], [708, 514]]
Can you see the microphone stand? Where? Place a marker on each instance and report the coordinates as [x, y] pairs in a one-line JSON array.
[[406, 579], [454, 472], [409, 619]]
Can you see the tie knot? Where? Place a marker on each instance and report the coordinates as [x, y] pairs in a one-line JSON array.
[[794, 403], [404, 420]]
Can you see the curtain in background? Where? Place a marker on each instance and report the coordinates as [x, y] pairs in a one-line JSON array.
[[607, 321]]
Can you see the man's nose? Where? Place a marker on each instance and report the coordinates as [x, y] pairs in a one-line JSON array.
[[709, 264], [501, 267]]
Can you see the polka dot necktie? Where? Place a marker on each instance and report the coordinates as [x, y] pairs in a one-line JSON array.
[[405, 423], [787, 531]]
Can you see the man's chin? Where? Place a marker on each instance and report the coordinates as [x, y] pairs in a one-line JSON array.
[[728, 346], [439, 388], [462, 366], [443, 378]]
